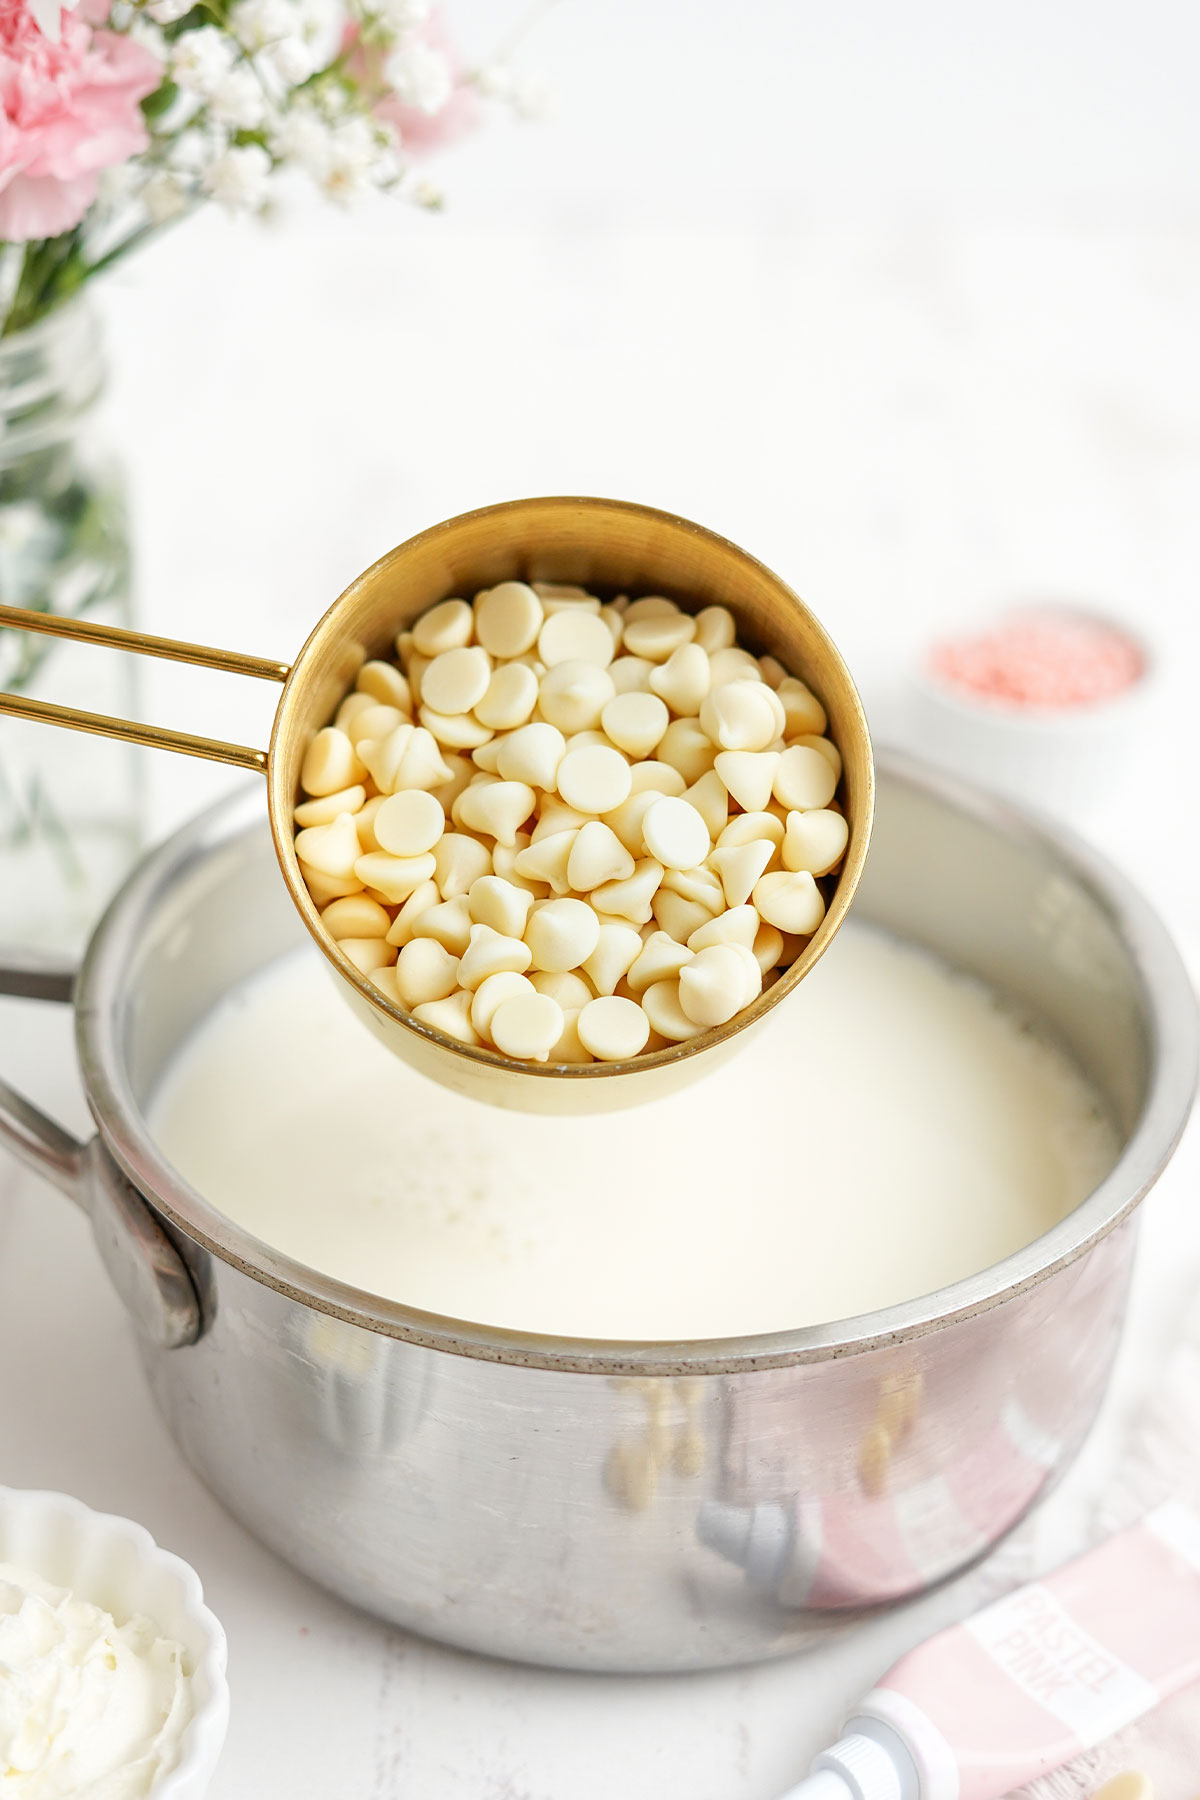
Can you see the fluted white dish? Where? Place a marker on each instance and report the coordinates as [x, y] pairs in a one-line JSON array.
[[117, 1565]]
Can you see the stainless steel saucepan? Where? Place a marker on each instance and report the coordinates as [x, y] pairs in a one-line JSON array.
[[614, 1505]]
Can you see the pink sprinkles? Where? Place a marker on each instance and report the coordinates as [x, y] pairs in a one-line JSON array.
[[1046, 659]]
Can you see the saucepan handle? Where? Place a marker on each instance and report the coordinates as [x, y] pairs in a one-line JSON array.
[[143, 1264]]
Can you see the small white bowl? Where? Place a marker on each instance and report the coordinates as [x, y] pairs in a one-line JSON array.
[[117, 1565], [1070, 760]]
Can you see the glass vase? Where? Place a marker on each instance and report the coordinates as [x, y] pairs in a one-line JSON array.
[[70, 806]]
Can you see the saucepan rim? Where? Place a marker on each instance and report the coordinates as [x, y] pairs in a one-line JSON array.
[[1172, 1018]]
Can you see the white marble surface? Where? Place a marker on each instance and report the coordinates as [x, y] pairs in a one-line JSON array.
[[913, 409]]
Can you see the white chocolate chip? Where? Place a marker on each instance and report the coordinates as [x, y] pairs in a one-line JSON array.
[[683, 680], [736, 925], [661, 959], [699, 884], [567, 986], [395, 877], [741, 715], [491, 993], [656, 636], [368, 954], [497, 810], [635, 722], [660, 1003], [711, 986], [425, 970], [792, 902], [418, 903], [733, 664], [449, 922], [815, 841], [573, 695], [675, 834], [772, 670], [384, 682], [768, 948], [802, 710], [650, 606], [364, 822], [325, 810], [489, 953], [613, 1030], [452, 1016], [330, 762], [597, 855], [631, 674], [748, 774], [739, 867], [595, 779], [500, 904], [527, 1026], [678, 916], [407, 758], [561, 934], [804, 780], [824, 747], [631, 899], [615, 620], [715, 629], [457, 731], [459, 861], [356, 916], [574, 635], [330, 849], [532, 754], [351, 707], [447, 626], [555, 817], [748, 826], [456, 680], [688, 749], [617, 949], [569, 1049], [508, 618], [548, 860], [375, 721], [511, 697], [324, 888], [657, 775], [408, 824], [710, 797]]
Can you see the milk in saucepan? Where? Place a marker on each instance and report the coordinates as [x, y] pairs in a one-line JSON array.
[[891, 1128]]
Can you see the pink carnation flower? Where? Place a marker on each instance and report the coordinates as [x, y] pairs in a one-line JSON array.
[[67, 111]]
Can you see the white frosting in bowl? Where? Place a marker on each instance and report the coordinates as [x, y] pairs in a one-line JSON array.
[[89, 1709]]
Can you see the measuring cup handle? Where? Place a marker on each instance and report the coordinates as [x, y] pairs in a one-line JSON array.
[[143, 1264], [140, 643]]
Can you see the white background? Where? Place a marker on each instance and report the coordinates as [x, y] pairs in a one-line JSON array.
[[903, 298]]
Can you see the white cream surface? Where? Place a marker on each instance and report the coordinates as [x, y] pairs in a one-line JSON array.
[[89, 1709], [890, 1129]]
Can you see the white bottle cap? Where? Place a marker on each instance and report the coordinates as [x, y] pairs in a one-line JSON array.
[[857, 1768]]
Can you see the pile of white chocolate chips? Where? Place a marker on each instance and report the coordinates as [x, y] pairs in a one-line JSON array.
[[600, 833]]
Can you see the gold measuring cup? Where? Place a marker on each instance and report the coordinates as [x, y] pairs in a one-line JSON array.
[[610, 545]]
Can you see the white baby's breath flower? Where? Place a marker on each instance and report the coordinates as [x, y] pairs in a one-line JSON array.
[[201, 60], [165, 197], [239, 179], [353, 153], [495, 82], [169, 12], [238, 100], [257, 23], [303, 139], [291, 59], [420, 76], [530, 99], [398, 15]]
